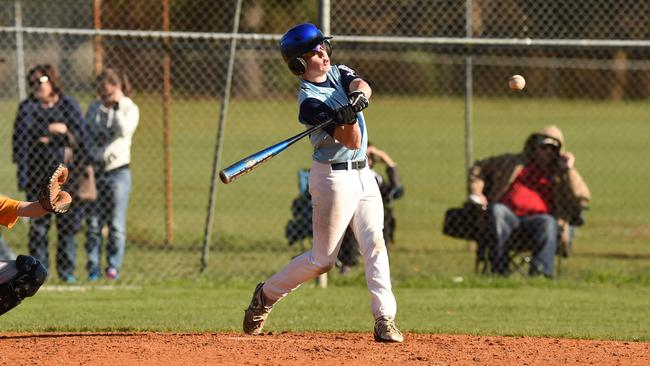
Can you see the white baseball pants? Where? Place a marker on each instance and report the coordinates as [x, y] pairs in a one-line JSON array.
[[341, 198]]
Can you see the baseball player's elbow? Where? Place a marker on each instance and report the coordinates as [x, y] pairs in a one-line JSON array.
[[356, 145], [352, 141]]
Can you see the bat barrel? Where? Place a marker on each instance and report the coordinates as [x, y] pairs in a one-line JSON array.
[[251, 162], [225, 177]]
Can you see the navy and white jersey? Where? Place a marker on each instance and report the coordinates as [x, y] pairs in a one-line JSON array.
[[318, 102]]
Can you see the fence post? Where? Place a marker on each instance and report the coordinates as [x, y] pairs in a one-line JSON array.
[[167, 133], [97, 25], [324, 20], [219, 143], [469, 91], [20, 50], [324, 17]]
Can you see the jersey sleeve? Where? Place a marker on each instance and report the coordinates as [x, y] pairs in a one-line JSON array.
[[8, 211], [313, 112], [347, 75]]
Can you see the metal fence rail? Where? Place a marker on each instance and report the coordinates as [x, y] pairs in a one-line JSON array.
[[422, 57]]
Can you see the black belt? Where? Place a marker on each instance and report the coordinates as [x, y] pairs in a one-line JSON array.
[[353, 165]]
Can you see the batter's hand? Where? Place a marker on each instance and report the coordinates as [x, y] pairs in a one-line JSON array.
[[345, 115], [358, 100]]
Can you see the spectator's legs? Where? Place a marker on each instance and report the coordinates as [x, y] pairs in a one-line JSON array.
[[38, 239], [94, 238], [503, 222], [66, 256], [542, 230], [120, 190]]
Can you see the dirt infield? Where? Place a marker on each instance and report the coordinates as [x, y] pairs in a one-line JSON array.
[[309, 348]]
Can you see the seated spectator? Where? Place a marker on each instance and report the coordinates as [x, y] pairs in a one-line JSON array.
[[536, 192]]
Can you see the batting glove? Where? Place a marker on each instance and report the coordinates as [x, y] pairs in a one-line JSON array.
[[345, 115], [358, 100]]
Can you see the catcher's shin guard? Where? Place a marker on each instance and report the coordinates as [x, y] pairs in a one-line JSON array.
[[31, 275]]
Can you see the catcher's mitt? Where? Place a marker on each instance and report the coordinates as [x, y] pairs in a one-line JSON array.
[[51, 197]]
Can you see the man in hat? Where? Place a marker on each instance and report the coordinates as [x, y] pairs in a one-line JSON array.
[[537, 193]]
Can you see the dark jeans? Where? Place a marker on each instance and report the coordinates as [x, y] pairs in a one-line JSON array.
[[67, 225], [540, 231]]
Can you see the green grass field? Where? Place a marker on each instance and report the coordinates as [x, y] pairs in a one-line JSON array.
[[601, 293], [531, 309]]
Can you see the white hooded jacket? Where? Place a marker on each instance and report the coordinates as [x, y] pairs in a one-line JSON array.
[[112, 131]]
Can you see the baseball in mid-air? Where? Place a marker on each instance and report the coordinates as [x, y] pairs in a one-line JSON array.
[[516, 82]]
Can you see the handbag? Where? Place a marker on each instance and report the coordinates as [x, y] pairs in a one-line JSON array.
[[86, 187], [465, 222]]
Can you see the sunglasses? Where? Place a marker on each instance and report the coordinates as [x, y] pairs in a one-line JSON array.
[[37, 82], [318, 49], [548, 147]]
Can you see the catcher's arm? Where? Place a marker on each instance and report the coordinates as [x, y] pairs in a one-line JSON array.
[[51, 197], [30, 209]]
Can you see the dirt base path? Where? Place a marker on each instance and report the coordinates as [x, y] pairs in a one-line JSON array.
[[309, 348]]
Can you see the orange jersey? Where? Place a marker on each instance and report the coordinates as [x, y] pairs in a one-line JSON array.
[[8, 211]]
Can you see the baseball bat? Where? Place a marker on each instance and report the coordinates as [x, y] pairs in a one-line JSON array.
[[252, 161]]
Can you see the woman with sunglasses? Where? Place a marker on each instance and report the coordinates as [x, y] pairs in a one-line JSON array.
[[48, 130], [343, 189]]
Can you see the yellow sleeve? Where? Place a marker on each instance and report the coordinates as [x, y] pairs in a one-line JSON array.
[[8, 211]]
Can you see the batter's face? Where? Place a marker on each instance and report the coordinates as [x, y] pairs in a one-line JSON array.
[[318, 64]]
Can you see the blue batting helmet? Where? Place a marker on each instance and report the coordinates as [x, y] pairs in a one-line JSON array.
[[299, 40]]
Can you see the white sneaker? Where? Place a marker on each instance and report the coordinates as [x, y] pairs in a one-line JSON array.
[[386, 331]]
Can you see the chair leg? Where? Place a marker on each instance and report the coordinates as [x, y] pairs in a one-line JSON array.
[[519, 262]]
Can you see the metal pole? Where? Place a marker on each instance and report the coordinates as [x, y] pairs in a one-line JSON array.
[[324, 17], [219, 144], [469, 90], [97, 24], [20, 50], [167, 131], [324, 20]]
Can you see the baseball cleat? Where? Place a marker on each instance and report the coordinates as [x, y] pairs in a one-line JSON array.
[[386, 331], [257, 312]]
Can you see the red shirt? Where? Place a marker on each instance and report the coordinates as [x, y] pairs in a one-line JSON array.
[[530, 193]]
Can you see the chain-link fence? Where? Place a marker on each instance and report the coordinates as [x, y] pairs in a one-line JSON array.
[[439, 72]]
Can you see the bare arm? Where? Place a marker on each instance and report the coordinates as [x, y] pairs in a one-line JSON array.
[[348, 135], [381, 155], [30, 209], [360, 84]]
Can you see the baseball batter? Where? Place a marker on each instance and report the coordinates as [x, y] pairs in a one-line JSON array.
[[344, 190]]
